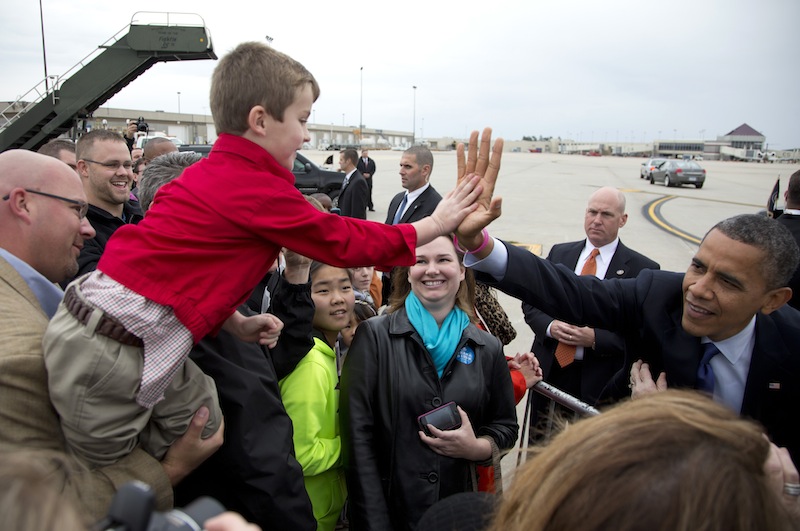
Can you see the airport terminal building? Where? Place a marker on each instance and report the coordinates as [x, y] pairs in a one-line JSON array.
[[742, 143]]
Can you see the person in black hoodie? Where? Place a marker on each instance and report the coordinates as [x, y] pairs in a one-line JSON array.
[[255, 472]]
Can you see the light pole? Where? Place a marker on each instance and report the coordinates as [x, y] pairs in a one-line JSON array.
[[179, 102], [342, 119], [269, 40], [44, 53], [414, 118], [361, 109], [314, 116]]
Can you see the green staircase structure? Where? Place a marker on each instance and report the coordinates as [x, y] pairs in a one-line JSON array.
[[55, 105]]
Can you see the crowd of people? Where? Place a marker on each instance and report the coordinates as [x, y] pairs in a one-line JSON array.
[[202, 327]]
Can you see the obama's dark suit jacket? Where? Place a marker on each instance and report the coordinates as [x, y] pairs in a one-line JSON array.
[[601, 363], [646, 311]]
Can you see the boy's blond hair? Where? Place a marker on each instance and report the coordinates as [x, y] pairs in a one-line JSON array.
[[255, 74]]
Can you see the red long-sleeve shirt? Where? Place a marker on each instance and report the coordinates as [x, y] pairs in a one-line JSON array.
[[212, 234]]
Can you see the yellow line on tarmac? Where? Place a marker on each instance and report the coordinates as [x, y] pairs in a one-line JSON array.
[[707, 199], [654, 215]]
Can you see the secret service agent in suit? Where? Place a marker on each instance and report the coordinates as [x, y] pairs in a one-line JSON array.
[[419, 199], [367, 168], [599, 354], [791, 220], [733, 294], [43, 226], [416, 166], [354, 196]]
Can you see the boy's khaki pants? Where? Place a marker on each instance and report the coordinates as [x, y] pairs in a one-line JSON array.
[[93, 382]]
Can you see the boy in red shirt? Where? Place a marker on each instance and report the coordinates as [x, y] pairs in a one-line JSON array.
[[116, 349]]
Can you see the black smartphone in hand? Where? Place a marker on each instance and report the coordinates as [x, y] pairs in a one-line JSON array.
[[444, 417]]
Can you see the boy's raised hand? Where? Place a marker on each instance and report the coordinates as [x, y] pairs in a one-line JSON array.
[[479, 162]]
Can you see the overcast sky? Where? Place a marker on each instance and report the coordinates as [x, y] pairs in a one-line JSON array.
[[609, 70]]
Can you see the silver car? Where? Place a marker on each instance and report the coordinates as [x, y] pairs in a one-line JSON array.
[[679, 172], [648, 166]]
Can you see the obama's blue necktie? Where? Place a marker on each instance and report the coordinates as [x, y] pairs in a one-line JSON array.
[[705, 374]]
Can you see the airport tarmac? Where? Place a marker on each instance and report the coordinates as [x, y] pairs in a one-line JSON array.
[[545, 195]]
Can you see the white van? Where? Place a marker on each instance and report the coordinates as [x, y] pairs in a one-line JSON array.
[[142, 138]]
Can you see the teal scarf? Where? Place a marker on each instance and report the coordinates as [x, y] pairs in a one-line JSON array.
[[440, 342]]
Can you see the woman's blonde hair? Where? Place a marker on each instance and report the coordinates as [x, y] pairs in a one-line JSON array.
[[465, 297], [668, 461]]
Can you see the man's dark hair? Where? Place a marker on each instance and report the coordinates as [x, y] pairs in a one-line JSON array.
[[351, 155], [56, 146], [781, 254], [423, 155], [793, 196]]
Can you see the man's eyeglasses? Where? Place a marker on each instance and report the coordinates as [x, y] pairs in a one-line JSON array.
[[113, 165], [83, 205]]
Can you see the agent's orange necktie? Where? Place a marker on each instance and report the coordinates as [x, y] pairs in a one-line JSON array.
[[565, 354]]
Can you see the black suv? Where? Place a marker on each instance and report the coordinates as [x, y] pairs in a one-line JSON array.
[[308, 177]]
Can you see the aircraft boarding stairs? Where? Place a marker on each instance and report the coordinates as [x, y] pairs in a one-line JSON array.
[[56, 104]]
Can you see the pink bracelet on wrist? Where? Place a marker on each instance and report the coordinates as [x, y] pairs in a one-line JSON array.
[[457, 246], [485, 234]]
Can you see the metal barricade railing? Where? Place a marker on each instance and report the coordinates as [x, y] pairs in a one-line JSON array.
[[565, 399], [556, 396]]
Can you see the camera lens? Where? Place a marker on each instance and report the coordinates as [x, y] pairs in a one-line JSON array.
[[192, 517]]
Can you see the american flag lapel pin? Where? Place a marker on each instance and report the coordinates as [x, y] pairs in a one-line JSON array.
[[775, 386]]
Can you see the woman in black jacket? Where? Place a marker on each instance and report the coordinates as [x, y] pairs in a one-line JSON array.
[[425, 353]]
